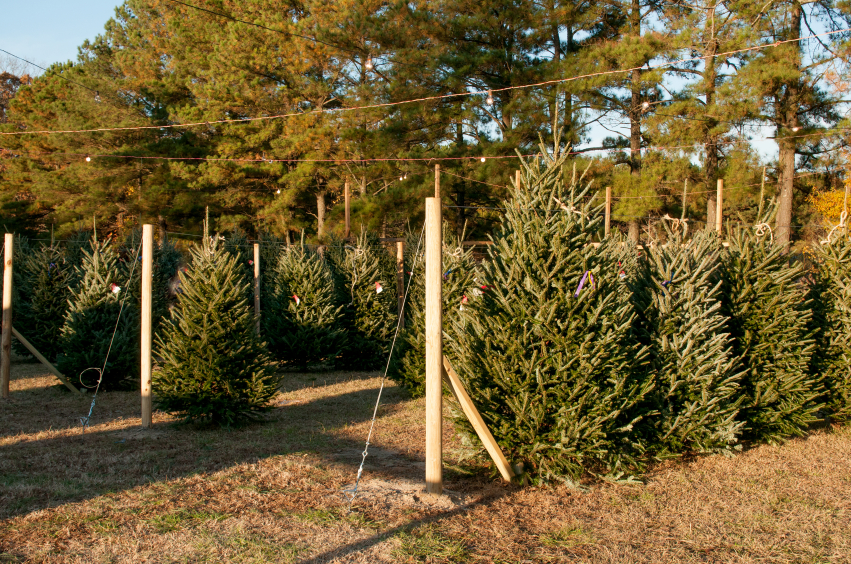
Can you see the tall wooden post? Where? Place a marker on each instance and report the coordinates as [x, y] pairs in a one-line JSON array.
[[6, 340], [147, 318], [434, 348], [257, 288], [608, 210], [347, 194], [719, 207], [437, 181], [517, 179], [400, 280]]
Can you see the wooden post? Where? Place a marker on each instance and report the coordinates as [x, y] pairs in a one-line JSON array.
[[6, 340], [434, 348], [437, 181], [40, 357], [719, 206], [147, 317], [347, 193], [400, 281], [257, 288], [608, 210], [517, 179]]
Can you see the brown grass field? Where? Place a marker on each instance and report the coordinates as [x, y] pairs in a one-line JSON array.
[[271, 491]]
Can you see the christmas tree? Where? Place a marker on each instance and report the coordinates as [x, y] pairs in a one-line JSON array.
[[459, 273], [831, 295], [93, 328], [695, 397], [214, 366], [768, 320], [364, 276], [545, 351], [302, 315], [42, 283]]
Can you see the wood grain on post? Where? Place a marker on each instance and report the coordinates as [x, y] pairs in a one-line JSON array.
[[400, 281], [719, 207], [6, 340], [437, 181], [257, 288], [434, 347], [608, 210], [147, 318], [347, 195]]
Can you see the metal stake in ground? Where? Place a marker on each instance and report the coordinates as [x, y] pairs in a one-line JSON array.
[[6, 339], [434, 347], [147, 316]]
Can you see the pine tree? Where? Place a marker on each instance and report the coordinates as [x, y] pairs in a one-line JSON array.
[[831, 295], [42, 282], [764, 297], [695, 397], [459, 272], [364, 275], [546, 351], [302, 319], [214, 366], [93, 316]]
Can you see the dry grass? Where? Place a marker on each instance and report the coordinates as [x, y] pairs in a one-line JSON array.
[[271, 492]]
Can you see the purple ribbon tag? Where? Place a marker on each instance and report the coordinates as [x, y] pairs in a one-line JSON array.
[[582, 282]]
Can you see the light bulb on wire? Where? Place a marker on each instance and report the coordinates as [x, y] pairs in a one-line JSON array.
[[279, 191], [489, 99], [796, 129], [88, 159], [97, 96], [368, 64], [483, 159], [645, 106]]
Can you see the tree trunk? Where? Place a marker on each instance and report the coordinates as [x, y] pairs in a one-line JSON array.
[[635, 111], [783, 227], [362, 188], [320, 214], [633, 230], [461, 194], [163, 231]]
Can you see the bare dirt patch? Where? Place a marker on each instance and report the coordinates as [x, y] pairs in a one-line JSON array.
[[273, 491]]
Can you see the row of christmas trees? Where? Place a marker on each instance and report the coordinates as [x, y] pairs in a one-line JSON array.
[[598, 357]]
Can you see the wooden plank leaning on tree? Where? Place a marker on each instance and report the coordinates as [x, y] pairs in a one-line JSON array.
[[53, 370], [475, 419]]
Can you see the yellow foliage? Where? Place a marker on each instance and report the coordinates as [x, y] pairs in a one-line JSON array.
[[828, 204]]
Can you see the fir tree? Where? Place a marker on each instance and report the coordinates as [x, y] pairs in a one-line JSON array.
[[769, 314], [302, 317], [93, 316], [831, 294], [459, 272], [695, 397], [364, 275], [214, 366], [546, 351]]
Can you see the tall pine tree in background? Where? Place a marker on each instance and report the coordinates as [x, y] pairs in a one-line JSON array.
[[365, 278], [459, 272], [214, 366], [695, 396], [93, 316], [765, 300], [544, 351], [301, 321]]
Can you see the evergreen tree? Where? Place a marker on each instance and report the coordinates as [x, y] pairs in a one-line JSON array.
[[93, 316], [214, 366], [695, 397], [546, 351], [302, 319], [831, 294], [769, 314], [364, 275], [42, 283], [459, 272]]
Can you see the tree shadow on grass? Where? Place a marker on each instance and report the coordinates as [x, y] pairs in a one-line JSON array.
[[47, 460]]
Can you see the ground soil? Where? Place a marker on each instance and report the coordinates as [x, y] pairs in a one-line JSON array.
[[275, 491]]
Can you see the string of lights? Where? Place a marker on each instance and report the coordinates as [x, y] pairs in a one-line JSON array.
[[489, 93]]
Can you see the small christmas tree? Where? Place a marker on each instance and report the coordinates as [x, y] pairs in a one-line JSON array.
[[831, 295], [364, 275], [42, 282], [302, 315], [459, 273], [546, 351], [92, 318], [695, 397], [764, 297], [214, 366]]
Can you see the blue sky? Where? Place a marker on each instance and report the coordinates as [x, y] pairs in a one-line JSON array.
[[48, 31]]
